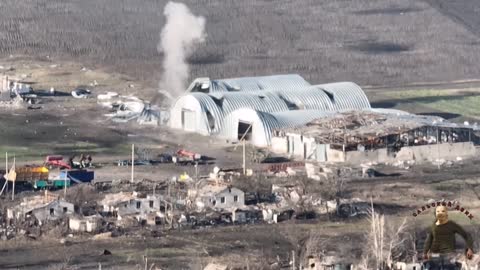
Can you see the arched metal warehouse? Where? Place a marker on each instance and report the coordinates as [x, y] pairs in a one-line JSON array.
[[205, 113]]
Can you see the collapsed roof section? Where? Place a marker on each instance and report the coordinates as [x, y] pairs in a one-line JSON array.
[[368, 127]]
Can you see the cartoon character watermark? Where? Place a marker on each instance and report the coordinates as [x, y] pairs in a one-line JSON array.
[[453, 205], [439, 249]]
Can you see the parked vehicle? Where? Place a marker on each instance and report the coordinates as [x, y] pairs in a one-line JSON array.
[[55, 161], [184, 157]]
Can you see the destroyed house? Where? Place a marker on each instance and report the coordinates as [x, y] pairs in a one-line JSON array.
[[52, 210], [84, 224], [376, 136], [218, 197], [125, 204]]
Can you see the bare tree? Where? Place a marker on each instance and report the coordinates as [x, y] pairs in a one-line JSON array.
[[385, 241]]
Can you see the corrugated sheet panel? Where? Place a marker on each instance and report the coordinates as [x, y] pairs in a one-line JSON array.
[[259, 100], [346, 95], [287, 82], [288, 119], [307, 99], [209, 106]]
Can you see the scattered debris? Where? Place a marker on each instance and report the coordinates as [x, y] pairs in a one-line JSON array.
[[81, 93], [215, 266], [127, 108], [102, 236]]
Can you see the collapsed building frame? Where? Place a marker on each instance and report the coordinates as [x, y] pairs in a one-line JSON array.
[[363, 136]]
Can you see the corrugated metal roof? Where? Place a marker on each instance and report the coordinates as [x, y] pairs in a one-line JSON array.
[[346, 95], [209, 106], [247, 84], [307, 99], [328, 97], [264, 101]]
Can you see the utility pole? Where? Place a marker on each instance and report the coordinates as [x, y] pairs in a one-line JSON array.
[[65, 187], [293, 259], [14, 180], [196, 171], [242, 139], [6, 170], [6, 174], [133, 162], [244, 165]]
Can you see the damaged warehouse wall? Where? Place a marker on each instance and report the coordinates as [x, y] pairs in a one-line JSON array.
[[376, 136], [418, 153]]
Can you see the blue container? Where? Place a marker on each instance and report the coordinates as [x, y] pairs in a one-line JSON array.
[[83, 176]]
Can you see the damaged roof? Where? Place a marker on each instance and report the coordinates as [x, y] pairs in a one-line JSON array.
[[368, 123], [212, 189]]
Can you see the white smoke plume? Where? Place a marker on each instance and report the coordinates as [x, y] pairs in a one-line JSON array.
[[181, 33]]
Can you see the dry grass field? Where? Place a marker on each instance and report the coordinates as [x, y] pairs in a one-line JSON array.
[[372, 42]]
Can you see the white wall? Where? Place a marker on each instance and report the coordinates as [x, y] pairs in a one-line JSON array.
[[190, 103], [230, 127], [448, 151], [279, 145], [60, 210], [229, 198]]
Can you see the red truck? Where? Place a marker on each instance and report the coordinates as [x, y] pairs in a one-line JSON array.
[[184, 157], [56, 161]]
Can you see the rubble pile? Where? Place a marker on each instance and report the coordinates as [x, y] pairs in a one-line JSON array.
[[366, 130], [126, 108], [14, 103]]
